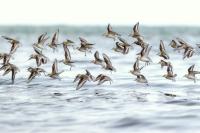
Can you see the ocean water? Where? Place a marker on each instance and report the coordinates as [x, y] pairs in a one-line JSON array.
[[124, 106]]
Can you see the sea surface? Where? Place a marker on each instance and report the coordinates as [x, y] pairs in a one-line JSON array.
[[55, 106]]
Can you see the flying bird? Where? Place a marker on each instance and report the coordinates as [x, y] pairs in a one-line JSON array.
[[54, 41], [14, 44], [110, 33], [101, 78], [54, 73], [41, 41], [191, 73], [85, 45], [10, 68], [136, 33], [141, 79], [163, 52], [108, 65], [39, 57], [97, 60], [170, 75], [144, 55], [136, 68], [34, 72], [83, 78], [67, 61]]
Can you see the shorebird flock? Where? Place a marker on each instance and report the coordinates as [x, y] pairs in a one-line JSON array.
[[121, 46]]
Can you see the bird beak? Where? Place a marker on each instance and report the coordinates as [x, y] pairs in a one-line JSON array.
[[59, 61], [45, 73], [73, 47], [29, 58], [133, 43], [71, 41], [95, 80]]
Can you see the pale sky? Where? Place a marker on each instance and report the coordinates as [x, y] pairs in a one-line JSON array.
[[100, 12]]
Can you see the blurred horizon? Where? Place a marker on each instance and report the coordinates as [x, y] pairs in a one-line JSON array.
[[99, 25]]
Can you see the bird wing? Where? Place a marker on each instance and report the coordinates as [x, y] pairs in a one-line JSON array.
[[77, 77], [98, 77], [96, 55], [41, 37], [170, 70], [119, 46], [181, 41], [55, 67], [13, 75], [136, 29], [136, 65], [191, 68], [53, 38], [148, 50], [162, 47], [142, 77], [81, 82], [70, 41], [37, 50], [8, 38], [88, 73], [67, 53], [82, 40], [122, 40], [103, 79], [57, 34], [13, 47], [109, 28], [107, 60], [31, 76], [125, 49]]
